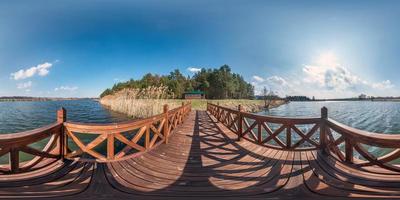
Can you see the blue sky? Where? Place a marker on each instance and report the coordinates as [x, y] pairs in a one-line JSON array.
[[314, 48]]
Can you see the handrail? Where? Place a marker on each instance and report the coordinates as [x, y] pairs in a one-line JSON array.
[[111, 127], [376, 139], [61, 135], [343, 142], [28, 135], [275, 119]]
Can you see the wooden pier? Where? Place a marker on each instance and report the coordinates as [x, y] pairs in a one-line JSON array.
[[218, 153]]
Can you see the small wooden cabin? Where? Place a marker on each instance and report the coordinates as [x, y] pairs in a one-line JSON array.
[[194, 95]]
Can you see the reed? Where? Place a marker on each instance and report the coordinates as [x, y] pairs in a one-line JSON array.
[[140, 103]]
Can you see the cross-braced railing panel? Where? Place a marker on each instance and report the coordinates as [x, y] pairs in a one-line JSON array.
[[114, 142], [363, 149], [273, 132], [30, 150]]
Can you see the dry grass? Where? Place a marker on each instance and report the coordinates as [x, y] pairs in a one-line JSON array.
[[139, 103], [247, 104], [150, 101]]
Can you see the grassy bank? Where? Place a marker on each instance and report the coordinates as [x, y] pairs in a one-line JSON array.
[[140, 108]]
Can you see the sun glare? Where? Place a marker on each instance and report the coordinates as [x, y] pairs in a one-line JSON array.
[[327, 59]]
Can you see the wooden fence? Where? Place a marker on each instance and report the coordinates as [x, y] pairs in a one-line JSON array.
[[119, 141], [352, 146], [77, 141]]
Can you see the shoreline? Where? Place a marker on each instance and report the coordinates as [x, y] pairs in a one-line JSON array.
[[142, 108], [40, 99]]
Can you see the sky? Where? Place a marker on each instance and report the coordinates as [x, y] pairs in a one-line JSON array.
[[314, 48]]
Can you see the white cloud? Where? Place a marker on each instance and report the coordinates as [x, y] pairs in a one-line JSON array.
[[383, 85], [25, 85], [339, 78], [41, 70], [277, 80], [258, 79], [324, 78], [193, 69], [332, 77], [275, 84], [66, 88]]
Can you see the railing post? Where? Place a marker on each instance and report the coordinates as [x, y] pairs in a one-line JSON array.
[[166, 124], [323, 129], [240, 122], [110, 146], [147, 138], [182, 113], [288, 136], [14, 160], [61, 115], [219, 112], [63, 143], [259, 132], [348, 150]]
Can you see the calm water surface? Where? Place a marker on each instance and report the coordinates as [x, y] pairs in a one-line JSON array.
[[381, 117], [22, 116]]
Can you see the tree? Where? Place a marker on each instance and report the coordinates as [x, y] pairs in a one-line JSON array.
[[268, 97], [218, 83]]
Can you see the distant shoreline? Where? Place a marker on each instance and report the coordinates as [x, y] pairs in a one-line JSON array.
[[16, 99], [369, 100]]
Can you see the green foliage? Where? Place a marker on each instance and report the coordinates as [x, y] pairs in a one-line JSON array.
[[215, 83]]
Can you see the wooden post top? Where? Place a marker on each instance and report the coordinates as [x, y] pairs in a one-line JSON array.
[[166, 108], [62, 115], [324, 112], [240, 108]]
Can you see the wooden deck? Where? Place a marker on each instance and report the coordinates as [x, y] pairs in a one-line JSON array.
[[204, 160]]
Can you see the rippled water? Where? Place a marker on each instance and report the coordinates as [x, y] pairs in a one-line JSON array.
[[22, 116], [380, 117]]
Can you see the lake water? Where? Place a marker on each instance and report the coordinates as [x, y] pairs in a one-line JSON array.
[[22, 116], [380, 117]]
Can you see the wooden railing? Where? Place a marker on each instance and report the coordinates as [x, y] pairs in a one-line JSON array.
[[48, 138], [44, 146], [346, 144], [362, 148], [273, 132], [123, 140]]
